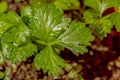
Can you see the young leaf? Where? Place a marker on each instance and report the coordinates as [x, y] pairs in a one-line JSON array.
[[38, 3], [16, 29], [113, 3], [98, 20], [48, 23], [93, 4], [107, 25], [66, 4], [89, 17], [14, 33], [14, 37], [26, 11], [18, 0], [26, 14], [22, 53], [115, 18], [48, 61], [49, 27], [76, 38], [2, 75], [46, 26], [4, 27], [61, 4], [3, 7], [12, 18], [97, 5]]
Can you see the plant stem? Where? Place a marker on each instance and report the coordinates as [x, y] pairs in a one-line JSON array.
[[42, 42], [51, 43], [54, 42]]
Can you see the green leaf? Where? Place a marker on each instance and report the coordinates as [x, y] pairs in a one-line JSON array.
[[49, 27], [26, 11], [89, 17], [61, 4], [98, 30], [72, 74], [3, 7], [26, 14], [101, 25], [12, 18], [76, 38], [115, 18], [67, 4], [46, 26], [49, 61], [18, 0], [38, 3], [14, 33], [22, 53], [13, 38], [107, 25], [114, 3], [7, 71], [16, 29], [4, 27], [93, 4], [6, 78], [1, 75], [48, 23], [97, 5]]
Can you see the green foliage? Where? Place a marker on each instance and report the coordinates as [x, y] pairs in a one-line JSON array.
[[46, 23], [22, 52], [61, 4], [115, 18], [38, 3], [7, 71], [1, 75], [99, 23], [3, 7], [114, 3], [13, 38], [67, 4], [50, 28], [18, 0], [44, 31], [49, 61], [6, 78], [26, 11], [74, 40], [98, 5]]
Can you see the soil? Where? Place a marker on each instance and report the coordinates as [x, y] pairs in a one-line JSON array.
[[101, 62]]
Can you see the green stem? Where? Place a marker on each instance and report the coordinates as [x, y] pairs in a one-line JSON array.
[[42, 42], [54, 42], [51, 43]]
